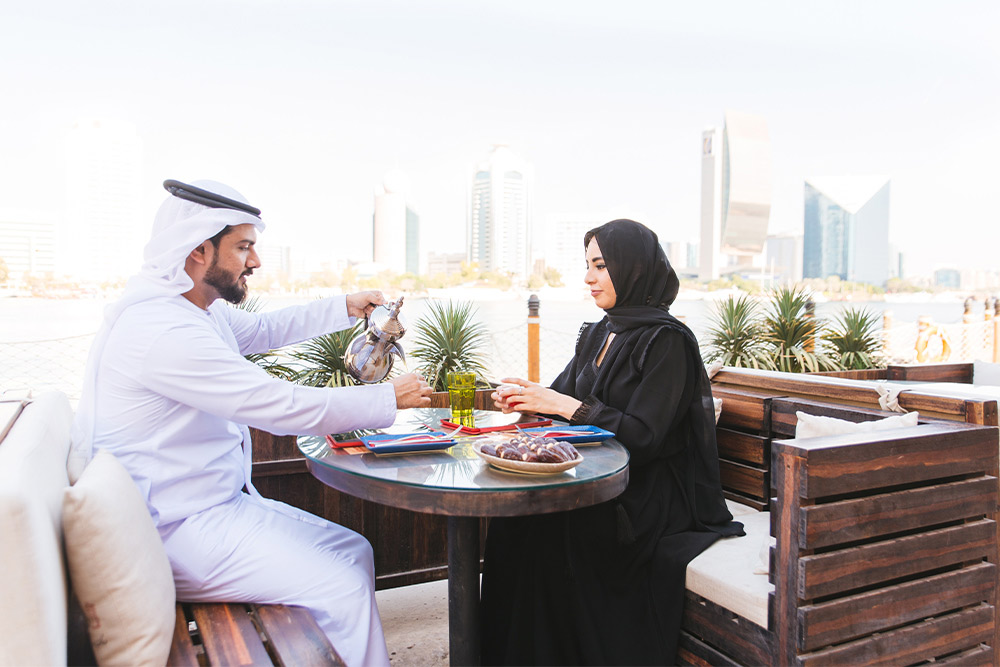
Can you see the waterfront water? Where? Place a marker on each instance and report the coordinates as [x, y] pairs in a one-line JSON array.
[[44, 342]]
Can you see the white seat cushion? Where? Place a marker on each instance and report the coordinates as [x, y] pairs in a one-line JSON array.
[[32, 480], [726, 572], [739, 509]]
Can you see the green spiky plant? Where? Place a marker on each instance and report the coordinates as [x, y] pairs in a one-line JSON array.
[[321, 359], [735, 336], [793, 334], [447, 339], [855, 339], [269, 361]]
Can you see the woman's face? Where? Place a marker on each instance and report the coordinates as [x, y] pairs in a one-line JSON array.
[[598, 278]]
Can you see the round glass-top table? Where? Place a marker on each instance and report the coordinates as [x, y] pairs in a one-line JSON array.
[[455, 482]]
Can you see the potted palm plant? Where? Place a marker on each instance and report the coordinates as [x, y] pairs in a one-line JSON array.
[[448, 339], [321, 359], [794, 334], [735, 337], [855, 340]]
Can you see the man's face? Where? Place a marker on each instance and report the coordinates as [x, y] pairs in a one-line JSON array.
[[233, 261]]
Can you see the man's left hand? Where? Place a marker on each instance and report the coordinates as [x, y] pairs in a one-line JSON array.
[[361, 304]]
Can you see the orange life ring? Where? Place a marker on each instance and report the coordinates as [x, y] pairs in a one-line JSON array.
[[926, 335]]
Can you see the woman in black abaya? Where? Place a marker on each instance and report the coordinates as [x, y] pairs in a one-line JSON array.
[[605, 584]]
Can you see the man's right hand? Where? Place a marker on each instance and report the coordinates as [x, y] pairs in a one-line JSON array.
[[412, 391]]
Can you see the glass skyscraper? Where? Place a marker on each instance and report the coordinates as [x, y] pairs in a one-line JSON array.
[[846, 229], [498, 228], [395, 226], [735, 194]]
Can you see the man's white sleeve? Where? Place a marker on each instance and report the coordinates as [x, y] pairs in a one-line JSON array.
[[261, 332], [193, 366]]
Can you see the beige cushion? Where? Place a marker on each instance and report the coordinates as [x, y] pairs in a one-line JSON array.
[[812, 426], [728, 572], [32, 575], [762, 564], [985, 373], [739, 509], [118, 566], [718, 408]]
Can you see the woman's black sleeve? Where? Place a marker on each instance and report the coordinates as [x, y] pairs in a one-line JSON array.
[[650, 411]]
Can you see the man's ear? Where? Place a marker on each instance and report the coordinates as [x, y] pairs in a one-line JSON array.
[[201, 254]]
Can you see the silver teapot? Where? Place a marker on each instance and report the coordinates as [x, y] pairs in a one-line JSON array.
[[370, 355]]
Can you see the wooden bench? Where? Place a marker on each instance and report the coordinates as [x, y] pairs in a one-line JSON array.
[[885, 543], [204, 634], [248, 634]]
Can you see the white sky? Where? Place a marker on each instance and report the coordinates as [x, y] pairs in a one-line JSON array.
[[304, 105]]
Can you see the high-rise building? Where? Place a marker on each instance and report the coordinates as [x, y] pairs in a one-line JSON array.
[[395, 226], [677, 254], [783, 257], [443, 262], [412, 241], [846, 228], [735, 194], [103, 232], [948, 278], [693, 252], [564, 249], [27, 243], [499, 229], [275, 262]]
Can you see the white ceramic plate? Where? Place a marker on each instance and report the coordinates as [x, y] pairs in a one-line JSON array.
[[529, 467]]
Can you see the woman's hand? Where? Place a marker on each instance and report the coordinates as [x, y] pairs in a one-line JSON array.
[[360, 304], [516, 394]]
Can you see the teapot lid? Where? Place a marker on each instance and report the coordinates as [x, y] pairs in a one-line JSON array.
[[386, 319]]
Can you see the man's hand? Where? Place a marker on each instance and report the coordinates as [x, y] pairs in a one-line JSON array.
[[412, 391], [360, 304]]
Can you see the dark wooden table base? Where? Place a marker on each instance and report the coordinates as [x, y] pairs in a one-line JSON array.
[[463, 590]]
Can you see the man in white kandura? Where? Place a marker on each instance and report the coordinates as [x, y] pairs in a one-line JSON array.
[[168, 392]]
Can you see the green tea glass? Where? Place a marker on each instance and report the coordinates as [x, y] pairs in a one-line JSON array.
[[461, 394]]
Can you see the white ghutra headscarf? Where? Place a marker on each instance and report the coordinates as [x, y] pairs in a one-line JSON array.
[[180, 227]]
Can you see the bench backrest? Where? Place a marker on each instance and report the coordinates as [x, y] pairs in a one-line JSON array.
[[744, 435], [861, 393], [960, 372]]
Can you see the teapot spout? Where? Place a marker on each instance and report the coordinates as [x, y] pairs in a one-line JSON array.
[[396, 349]]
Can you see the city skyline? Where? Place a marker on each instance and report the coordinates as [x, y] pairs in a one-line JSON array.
[[304, 106]]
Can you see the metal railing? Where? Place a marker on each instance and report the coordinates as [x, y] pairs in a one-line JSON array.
[[529, 349]]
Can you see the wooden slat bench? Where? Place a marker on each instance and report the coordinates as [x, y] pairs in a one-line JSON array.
[[248, 634], [886, 542]]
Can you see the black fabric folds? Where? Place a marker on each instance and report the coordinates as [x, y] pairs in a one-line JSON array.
[[605, 584]]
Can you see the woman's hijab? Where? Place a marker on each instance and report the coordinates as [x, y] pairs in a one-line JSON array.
[[644, 281]]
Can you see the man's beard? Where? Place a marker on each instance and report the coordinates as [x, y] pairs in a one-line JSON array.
[[228, 286]]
